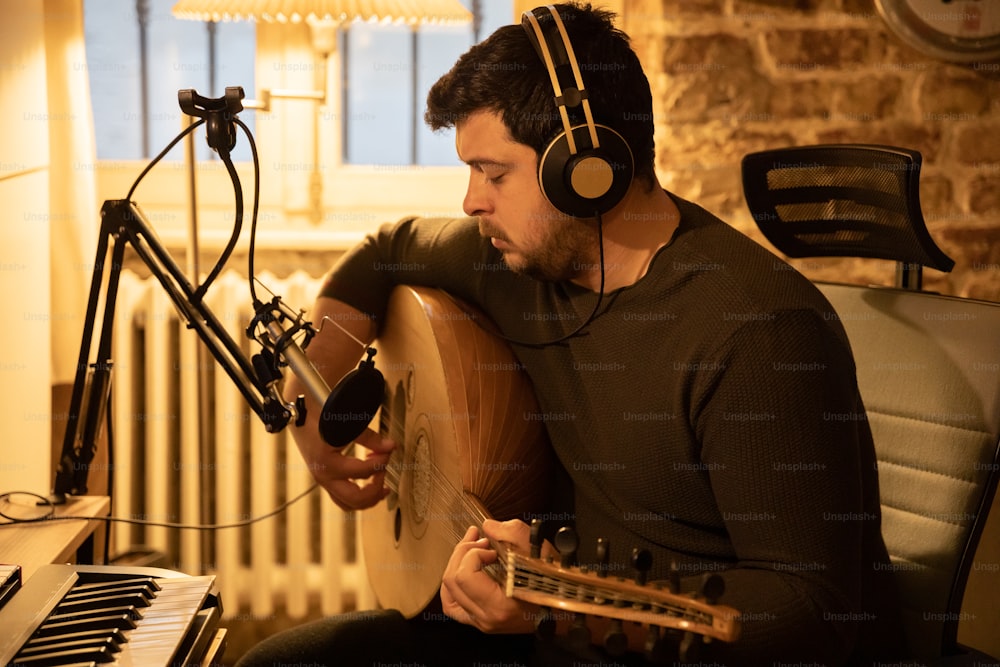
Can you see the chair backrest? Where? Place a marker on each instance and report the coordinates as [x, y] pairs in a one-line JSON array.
[[929, 373], [844, 200]]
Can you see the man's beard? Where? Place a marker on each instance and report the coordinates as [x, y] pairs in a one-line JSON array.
[[562, 256]]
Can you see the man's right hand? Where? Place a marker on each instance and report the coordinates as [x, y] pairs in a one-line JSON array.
[[353, 483]]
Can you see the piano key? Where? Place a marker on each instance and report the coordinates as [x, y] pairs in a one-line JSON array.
[[116, 636], [89, 614], [61, 658], [82, 604], [166, 623], [10, 582], [143, 589], [111, 585], [114, 621], [90, 648]]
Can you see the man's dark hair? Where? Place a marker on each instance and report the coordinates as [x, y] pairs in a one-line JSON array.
[[504, 74]]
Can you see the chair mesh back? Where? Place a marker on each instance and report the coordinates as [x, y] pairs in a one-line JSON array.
[[841, 200]]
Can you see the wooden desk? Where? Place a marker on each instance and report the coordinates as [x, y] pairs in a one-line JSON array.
[[32, 545]]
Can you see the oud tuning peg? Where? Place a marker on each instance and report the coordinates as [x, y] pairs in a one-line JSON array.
[[674, 578], [566, 543], [642, 561], [536, 538], [579, 633], [601, 567], [603, 556], [712, 587], [545, 626], [615, 639], [656, 648], [690, 648]]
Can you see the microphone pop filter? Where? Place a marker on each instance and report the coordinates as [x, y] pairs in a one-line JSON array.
[[352, 405]]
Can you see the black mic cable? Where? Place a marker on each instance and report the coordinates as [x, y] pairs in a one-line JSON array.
[[590, 318]]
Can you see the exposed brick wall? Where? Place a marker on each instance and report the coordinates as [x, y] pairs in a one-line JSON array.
[[731, 77]]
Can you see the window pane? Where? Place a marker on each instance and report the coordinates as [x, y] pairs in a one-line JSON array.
[[378, 94], [438, 50], [112, 42], [235, 51], [493, 14], [178, 57], [383, 113]]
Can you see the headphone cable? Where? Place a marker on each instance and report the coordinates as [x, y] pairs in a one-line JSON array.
[[590, 318]]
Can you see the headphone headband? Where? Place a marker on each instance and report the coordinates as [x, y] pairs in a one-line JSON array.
[[587, 168], [529, 20]]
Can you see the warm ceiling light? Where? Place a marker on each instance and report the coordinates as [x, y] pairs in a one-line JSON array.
[[410, 12]]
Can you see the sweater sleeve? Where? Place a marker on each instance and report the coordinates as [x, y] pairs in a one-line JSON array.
[[785, 436], [432, 252]]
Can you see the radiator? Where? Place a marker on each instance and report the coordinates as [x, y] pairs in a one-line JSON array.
[[187, 449]]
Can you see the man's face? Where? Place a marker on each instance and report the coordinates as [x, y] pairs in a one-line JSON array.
[[534, 237]]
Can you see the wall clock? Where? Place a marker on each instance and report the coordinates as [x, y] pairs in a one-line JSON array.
[[955, 30]]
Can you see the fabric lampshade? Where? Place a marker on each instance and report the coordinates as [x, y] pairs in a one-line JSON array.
[[411, 12]]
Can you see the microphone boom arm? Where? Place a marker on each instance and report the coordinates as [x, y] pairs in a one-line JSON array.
[[346, 411], [122, 223]]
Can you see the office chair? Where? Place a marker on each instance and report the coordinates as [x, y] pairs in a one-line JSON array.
[[928, 367], [845, 200]]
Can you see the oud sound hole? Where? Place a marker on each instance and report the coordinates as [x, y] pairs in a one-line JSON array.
[[420, 491], [397, 524]]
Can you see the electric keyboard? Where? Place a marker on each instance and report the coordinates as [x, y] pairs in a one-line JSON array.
[[113, 615]]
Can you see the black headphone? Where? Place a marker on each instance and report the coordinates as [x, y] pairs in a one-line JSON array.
[[587, 168]]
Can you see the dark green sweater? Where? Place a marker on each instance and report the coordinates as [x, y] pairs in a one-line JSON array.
[[709, 413]]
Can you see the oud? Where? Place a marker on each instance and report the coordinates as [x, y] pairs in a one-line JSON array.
[[456, 400]]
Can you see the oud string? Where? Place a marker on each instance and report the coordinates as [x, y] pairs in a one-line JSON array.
[[451, 506]]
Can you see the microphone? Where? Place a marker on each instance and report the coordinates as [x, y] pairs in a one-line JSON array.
[[350, 406]]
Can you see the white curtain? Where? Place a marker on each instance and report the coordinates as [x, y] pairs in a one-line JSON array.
[[74, 211]]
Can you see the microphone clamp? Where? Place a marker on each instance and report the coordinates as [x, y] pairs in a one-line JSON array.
[[348, 408]]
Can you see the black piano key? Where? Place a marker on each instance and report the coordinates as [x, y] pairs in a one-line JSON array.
[[10, 582], [62, 658], [90, 648], [113, 621], [90, 603], [89, 617], [98, 633], [116, 584], [147, 589]]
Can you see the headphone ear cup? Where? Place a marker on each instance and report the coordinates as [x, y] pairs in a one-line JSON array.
[[590, 182]]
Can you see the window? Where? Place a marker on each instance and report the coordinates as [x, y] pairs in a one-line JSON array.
[[137, 60], [388, 71]]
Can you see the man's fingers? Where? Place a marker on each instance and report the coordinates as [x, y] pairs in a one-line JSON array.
[[514, 531], [348, 467], [465, 585], [375, 442], [349, 495]]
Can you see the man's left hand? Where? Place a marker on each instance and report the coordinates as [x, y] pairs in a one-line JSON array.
[[471, 595]]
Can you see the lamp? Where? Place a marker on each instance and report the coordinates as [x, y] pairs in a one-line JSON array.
[[411, 12], [324, 18]]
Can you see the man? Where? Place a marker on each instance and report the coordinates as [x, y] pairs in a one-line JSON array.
[[714, 417]]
